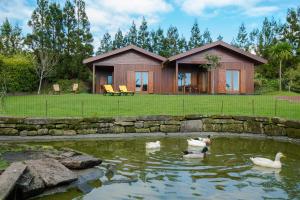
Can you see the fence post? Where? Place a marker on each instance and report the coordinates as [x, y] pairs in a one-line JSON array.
[[222, 107], [275, 107], [253, 107], [183, 106], [46, 108], [81, 108]]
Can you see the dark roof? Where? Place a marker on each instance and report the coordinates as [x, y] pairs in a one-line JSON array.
[[117, 51], [259, 60]]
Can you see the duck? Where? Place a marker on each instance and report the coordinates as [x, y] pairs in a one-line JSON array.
[[264, 162], [153, 145], [191, 154], [206, 140], [198, 143]]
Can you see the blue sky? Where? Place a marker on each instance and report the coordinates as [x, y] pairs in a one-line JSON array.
[[219, 16]]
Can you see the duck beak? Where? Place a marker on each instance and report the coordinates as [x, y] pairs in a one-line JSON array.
[[283, 156]]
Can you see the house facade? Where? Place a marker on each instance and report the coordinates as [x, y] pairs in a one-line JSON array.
[[186, 73]]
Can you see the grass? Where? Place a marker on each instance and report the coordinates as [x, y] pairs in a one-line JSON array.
[[88, 105]]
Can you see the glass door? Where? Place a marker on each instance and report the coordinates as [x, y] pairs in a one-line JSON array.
[[232, 81], [141, 81], [184, 82]]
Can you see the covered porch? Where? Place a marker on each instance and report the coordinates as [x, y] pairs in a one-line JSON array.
[[102, 75]]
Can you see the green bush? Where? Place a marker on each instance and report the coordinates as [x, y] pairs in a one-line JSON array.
[[292, 78], [264, 85], [66, 86], [18, 73]]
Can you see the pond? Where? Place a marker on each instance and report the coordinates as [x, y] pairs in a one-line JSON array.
[[226, 173]]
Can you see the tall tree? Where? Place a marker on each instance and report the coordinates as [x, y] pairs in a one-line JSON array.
[[105, 44], [131, 37], [143, 39], [282, 51], [206, 39], [119, 40], [10, 38], [220, 38], [182, 44], [70, 24], [172, 41], [196, 38], [242, 40], [56, 27], [157, 41]]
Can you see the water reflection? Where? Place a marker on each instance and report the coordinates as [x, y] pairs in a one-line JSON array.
[[227, 173]]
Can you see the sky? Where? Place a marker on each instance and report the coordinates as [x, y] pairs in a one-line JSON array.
[[220, 16]]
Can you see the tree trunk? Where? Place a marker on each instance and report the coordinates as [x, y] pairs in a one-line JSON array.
[[40, 85], [280, 87]]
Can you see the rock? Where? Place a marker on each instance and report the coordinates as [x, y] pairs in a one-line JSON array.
[[51, 171], [191, 126], [43, 131], [138, 124], [9, 178], [292, 124], [121, 123], [192, 117], [80, 162], [154, 129], [242, 118], [56, 132], [8, 131], [12, 120], [169, 128], [36, 121], [125, 119], [142, 130], [61, 126], [172, 122], [28, 127], [149, 124], [221, 117], [105, 125], [87, 131], [234, 128], [8, 125], [104, 130], [129, 129], [293, 132], [31, 133], [69, 132], [274, 130], [253, 127], [118, 129], [154, 118], [212, 127]]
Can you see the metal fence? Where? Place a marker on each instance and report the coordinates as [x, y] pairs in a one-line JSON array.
[[89, 105]]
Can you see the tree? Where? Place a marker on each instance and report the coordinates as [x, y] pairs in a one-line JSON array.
[[157, 41], [293, 78], [47, 61], [69, 23], [143, 39], [56, 27], [242, 40], [131, 37], [213, 62], [105, 44], [282, 51], [172, 41], [196, 38], [206, 37], [10, 38], [182, 44], [219, 38], [119, 40]]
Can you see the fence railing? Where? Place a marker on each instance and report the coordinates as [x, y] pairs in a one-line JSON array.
[[88, 105]]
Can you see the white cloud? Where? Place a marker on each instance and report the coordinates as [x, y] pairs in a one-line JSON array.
[[248, 7], [109, 15]]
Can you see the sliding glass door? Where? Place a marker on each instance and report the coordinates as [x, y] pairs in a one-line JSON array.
[[141, 81], [184, 81], [232, 81]]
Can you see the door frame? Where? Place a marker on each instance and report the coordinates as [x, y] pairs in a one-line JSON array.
[[141, 91], [232, 80]]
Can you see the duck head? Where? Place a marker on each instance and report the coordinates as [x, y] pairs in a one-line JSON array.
[[204, 150], [278, 156]]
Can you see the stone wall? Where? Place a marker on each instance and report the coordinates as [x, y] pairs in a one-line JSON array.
[[147, 124]]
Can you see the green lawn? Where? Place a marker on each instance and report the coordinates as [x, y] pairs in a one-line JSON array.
[[70, 105]]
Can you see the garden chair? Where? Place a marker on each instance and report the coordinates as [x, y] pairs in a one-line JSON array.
[[108, 90], [123, 90], [56, 89], [75, 88]]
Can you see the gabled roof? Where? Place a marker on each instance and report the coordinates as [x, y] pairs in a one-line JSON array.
[[117, 51], [259, 60]]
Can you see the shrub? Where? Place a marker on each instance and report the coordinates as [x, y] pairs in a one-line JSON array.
[[19, 73], [66, 86], [264, 85], [292, 77]]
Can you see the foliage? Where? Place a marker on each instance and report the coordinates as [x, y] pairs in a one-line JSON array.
[[131, 37], [263, 85], [242, 40], [196, 37], [119, 40], [105, 44], [66, 86], [19, 73], [143, 39], [292, 77]]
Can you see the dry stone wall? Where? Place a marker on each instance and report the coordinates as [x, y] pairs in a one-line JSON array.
[[146, 124]]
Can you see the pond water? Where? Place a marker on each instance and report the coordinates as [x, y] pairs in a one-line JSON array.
[[226, 173]]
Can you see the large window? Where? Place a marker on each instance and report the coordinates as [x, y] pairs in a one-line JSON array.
[[141, 81], [184, 81], [109, 79], [232, 80]]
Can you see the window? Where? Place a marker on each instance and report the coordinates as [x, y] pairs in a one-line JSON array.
[[141, 81], [232, 80], [184, 81], [109, 79]]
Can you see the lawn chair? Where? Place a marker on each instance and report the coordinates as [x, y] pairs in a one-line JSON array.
[[75, 88], [123, 90], [108, 90], [56, 89]]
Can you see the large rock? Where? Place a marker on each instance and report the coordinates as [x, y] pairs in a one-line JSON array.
[[9, 178], [234, 128], [80, 162], [253, 127], [8, 131], [51, 171], [293, 132], [212, 127], [274, 130], [191, 126], [142, 130], [169, 128]]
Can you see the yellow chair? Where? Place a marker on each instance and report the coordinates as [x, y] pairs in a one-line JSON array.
[[123, 90], [75, 88], [56, 89], [108, 90]]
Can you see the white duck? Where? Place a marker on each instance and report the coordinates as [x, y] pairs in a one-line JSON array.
[[264, 162], [197, 143], [153, 145], [206, 140], [190, 154]]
